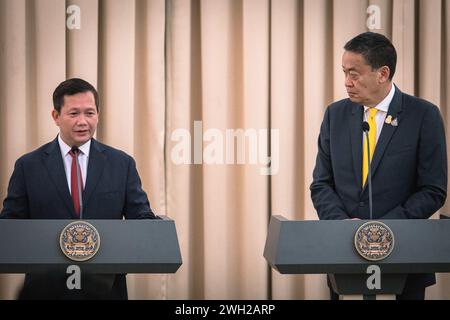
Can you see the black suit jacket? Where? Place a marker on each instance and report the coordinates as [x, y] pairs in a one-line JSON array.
[[409, 165], [38, 190]]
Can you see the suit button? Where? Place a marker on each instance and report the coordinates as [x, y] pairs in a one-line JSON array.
[[361, 204]]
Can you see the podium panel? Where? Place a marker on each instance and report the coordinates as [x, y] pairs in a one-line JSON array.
[[327, 246], [126, 246]]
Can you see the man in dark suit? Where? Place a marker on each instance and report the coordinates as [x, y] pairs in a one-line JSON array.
[[47, 182], [407, 148]]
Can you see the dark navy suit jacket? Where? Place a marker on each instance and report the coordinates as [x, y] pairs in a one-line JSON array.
[[38, 189], [409, 165]]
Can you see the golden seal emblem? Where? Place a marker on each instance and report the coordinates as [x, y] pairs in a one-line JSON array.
[[79, 241], [374, 241]]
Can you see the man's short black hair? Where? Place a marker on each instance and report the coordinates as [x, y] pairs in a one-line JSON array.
[[376, 49], [71, 87]]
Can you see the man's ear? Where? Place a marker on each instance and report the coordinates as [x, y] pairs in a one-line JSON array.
[[383, 74], [55, 116]]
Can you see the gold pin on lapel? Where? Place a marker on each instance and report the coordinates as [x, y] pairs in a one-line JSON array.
[[388, 119]]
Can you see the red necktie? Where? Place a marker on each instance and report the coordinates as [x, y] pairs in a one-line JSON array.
[[74, 180]]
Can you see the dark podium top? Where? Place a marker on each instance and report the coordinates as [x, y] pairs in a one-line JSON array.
[[126, 246], [327, 246]]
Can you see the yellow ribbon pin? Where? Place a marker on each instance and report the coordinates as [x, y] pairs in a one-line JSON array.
[[388, 119]]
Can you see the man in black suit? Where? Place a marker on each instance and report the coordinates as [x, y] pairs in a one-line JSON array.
[[45, 183], [408, 150]]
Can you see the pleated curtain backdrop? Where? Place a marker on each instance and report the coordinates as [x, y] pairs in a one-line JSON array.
[[203, 68]]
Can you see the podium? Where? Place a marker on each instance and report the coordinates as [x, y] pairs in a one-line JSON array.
[[126, 246], [327, 247]]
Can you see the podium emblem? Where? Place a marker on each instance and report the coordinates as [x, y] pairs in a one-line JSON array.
[[374, 241], [79, 241]]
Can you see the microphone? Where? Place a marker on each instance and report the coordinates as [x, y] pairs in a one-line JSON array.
[[366, 128], [75, 150]]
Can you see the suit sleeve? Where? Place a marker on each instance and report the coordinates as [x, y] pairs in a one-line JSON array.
[[137, 205], [431, 185], [324, 197], [15, 205]]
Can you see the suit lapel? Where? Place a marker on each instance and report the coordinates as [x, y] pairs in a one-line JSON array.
[[96, 165], [54, 163], [388, 131], [356, 141]]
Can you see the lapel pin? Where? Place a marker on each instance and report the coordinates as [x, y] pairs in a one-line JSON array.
[[388, 119], [394, 122]]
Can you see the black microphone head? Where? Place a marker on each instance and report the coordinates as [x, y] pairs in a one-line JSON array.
[[74, 149], [365, 126]]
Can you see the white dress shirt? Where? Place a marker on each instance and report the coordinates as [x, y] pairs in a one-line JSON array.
[[83, 158], [382, 108]]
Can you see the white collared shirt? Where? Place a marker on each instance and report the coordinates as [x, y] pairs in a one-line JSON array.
[[382, 108], [83, 158]]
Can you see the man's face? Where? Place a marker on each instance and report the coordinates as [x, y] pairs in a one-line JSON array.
[[363, 83], [78, 118]]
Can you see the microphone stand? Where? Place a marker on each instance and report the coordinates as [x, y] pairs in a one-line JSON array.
[[80, 190], [369, 174]]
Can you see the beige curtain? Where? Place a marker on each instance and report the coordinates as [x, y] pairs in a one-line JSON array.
[[164, 68]]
